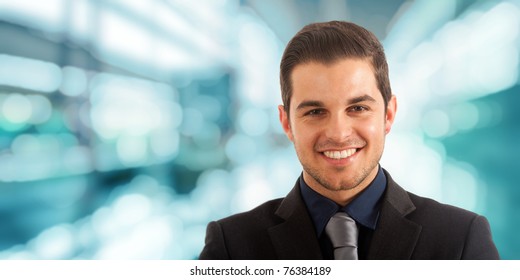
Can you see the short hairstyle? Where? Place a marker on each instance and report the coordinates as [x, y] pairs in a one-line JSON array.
[[328, 42]]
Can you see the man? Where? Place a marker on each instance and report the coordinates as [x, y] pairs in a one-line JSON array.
[[337, 109]]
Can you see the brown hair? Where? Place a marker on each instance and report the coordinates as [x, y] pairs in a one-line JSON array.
[[328, 42]]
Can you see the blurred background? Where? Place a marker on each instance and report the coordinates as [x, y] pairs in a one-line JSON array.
[[127, 125]]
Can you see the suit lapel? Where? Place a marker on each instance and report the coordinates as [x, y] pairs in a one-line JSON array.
[[395, 236], [295, 237]]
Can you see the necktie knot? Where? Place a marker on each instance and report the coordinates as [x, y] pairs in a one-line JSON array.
[[343, 234]]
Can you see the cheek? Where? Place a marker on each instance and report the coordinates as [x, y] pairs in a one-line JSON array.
[[304, 135], [371, 130]]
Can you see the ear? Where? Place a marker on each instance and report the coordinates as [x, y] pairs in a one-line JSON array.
[[391, 110], [284, 120]]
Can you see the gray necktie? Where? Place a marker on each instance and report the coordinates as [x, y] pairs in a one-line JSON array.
[[343, 233]]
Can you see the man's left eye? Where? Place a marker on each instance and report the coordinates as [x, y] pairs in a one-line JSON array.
[[358, 108]]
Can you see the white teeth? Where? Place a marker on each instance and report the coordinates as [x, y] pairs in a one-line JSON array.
[[339, 154]]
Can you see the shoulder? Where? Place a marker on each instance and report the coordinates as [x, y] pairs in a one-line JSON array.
[[446, 231], [242, 236], [448, 227], [432, 209], [422, 209], [435, 218], [446, 222], [262, 215], [247, 235]]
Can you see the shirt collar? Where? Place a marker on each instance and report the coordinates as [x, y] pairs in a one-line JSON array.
[[364, 208]]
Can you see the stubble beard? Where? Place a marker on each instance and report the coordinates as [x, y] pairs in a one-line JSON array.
[[344, 184]]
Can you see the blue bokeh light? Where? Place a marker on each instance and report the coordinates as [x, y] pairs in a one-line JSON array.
[[126, 126]]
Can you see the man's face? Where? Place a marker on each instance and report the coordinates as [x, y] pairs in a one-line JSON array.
[[337, 123]]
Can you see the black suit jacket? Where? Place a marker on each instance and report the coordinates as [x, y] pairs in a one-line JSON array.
[[409, 227]]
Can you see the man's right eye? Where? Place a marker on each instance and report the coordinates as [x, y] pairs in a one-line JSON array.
[[314, 112]]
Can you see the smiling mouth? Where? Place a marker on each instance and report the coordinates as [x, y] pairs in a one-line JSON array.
[[340, 154]]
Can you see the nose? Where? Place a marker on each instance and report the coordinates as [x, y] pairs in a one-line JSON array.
[[338, 128]]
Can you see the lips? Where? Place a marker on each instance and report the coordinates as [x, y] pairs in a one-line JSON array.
[[341, 154]]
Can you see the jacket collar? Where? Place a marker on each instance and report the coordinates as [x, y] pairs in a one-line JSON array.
[[395, 236], [295, 238]]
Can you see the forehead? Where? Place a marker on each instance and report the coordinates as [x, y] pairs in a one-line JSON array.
[[344, 78]]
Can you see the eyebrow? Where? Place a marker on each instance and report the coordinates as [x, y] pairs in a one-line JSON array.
[[361, 98], [309, 103], [353, 100]]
